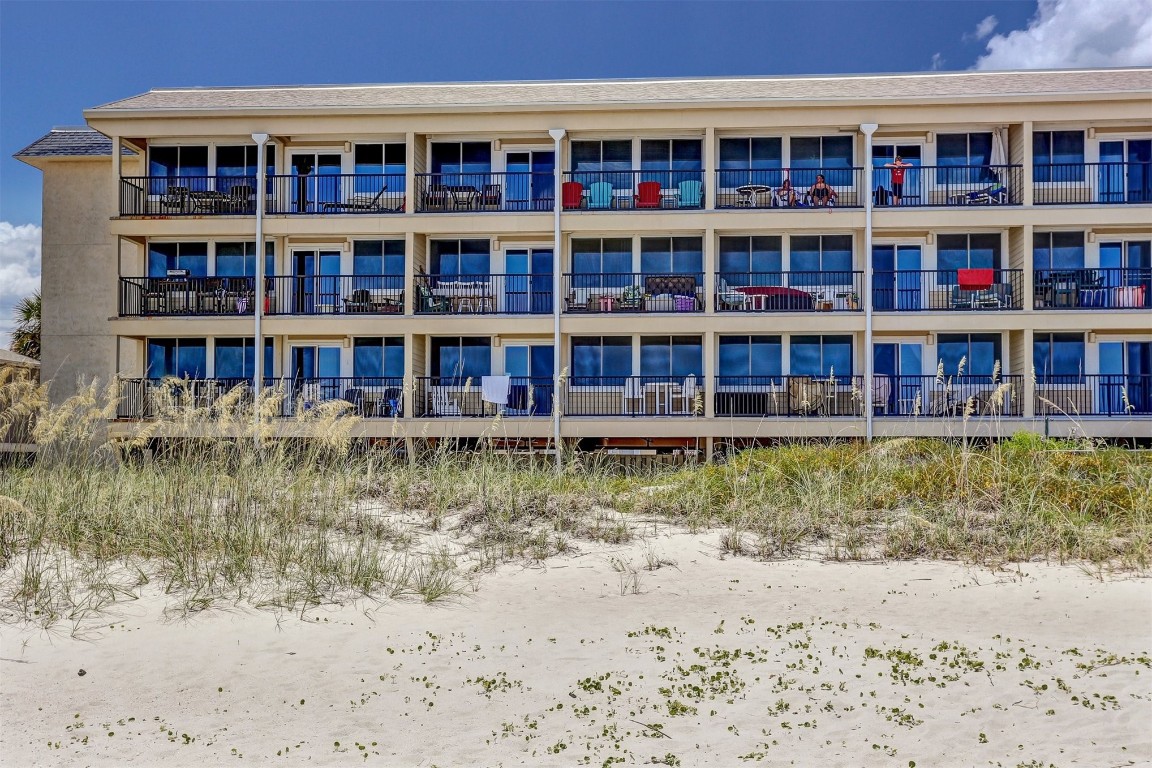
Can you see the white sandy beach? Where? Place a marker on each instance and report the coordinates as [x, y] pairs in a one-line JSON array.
[[711, 661]]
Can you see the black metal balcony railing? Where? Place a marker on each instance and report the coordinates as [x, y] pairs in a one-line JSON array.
[[484, 294], [484, 191], [949, 185], [948, 396], [1094, 395], [324, 194], [764, 188], [632, 292], [634, 396], [146, 296], [187, 195], [632, 190], [368, 396], [1093, 288], [935, 290], [757, 396], [1092, 183], [461, 397], [335, 294], [789, 291]]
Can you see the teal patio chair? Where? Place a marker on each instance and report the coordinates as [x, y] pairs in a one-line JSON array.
[[600, 195], [690, 194]]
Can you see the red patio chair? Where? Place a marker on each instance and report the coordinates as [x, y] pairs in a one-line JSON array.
[[572, 194], [648, 194]]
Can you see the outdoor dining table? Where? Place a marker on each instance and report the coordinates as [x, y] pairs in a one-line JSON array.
[[750, 194]]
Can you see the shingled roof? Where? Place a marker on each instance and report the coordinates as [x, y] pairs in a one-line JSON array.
[[949, 86], [80, 141]]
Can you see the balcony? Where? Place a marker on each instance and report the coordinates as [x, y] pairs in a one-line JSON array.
[[1116, 183], [627, 292], [368, 397], [485, 191], [803, 396], [324, 194], [950, 186], [188, 196], [454, 397], [982, 290], [633, 190], [235, 195], [222, 296], [484, 294], [1117, 395], [1096, 288], [789, 292], [632, 396], [764, 188]]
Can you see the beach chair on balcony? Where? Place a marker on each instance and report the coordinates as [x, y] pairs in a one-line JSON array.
[[633, 396], [360, 300], [881, 394], [444, 404], [240, 199], [687, 397], [430, 302], [805, 396], [600, 195], [491, 196], [364, 202], [647, 195], [572, 194], [175, 197], [691, 194], [993, 194]]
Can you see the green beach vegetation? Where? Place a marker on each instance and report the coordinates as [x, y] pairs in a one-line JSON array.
[[219, 510]]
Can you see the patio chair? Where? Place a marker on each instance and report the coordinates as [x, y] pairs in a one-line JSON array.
[[805, 395], [175, 197], [728, 297], [572, 194], [240, 198], [600, 195], [363, 202], [443, 404], [881, 393], [993, 194], [491, 196], [464, 197], [631, 299], [355, 397], [688, 394], [647, 195], [359, 301], [691, 193], [429, 302], [633, 396]]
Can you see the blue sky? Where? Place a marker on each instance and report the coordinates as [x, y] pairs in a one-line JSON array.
[[59, 58]]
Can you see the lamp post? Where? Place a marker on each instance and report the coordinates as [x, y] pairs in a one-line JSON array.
[[557, 135], [261, 140]]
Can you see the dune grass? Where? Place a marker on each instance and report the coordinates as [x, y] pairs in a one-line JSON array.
[[222, 512]]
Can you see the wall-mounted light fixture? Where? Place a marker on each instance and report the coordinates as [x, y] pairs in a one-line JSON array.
[[1091, 133], [347, 246], [347, 146], [347, 342], [929, 137], [496, 145], [1091, 337], [495, 341], [930, 340], [1091, 236], [930, 238], [495, 245]]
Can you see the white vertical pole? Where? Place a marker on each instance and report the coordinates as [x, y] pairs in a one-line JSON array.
[[261, 140], [868, 129], [557, 135]]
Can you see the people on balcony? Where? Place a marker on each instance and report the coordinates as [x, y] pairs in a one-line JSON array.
[[898, 167], [820, 193], [786, 195]]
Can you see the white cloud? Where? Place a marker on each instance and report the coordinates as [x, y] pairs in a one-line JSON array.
[[937, 61], [983, 29], [19, 270], [1076, 33]]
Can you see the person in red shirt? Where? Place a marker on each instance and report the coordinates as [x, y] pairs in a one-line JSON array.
[[898, 169]]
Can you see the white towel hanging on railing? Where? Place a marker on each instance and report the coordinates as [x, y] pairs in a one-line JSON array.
[[494, 389]]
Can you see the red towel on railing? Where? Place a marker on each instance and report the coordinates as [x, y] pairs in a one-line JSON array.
[[974, 279]]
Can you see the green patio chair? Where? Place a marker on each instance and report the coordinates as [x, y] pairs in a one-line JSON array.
[[600, 195], [690, 194]]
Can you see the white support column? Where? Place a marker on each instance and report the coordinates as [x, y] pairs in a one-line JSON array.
[[410, 172], [868, 129], [261, 140], [1026, 161], [557, 135]]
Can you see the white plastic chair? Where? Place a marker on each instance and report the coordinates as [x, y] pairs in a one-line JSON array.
[[443, 404]]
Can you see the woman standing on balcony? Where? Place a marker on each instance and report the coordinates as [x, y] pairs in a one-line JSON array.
[[898, 167]]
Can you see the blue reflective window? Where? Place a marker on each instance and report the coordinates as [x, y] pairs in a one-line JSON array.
[[378, 257], [1058, 250], [461, 358], [605, 262], [978, 351], [455, 158], [460, 258], [183, 358], [820, 356], [671, 255], [969, 153], [1058, 156], [235, 358], [675, 356], [376, 357], [751, 260], [822, 259], [1058, 354], [239, 259], [190, 256], [742, 356], [594, 357], [981, 251]]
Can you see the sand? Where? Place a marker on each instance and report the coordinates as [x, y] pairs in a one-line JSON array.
[[591, 659]]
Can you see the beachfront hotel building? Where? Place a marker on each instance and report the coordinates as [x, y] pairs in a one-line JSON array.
[[617, 261]]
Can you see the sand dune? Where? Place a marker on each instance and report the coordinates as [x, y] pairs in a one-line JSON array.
[[592, 659]]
